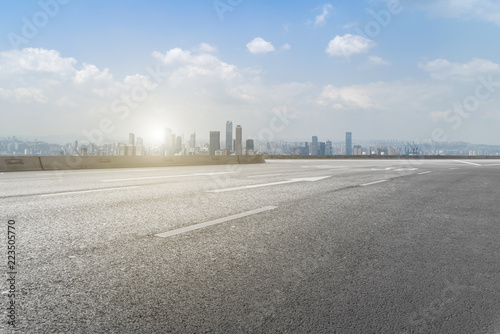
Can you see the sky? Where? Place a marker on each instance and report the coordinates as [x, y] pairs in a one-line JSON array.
[[94, 70]]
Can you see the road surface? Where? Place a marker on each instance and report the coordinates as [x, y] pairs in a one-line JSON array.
[[302, 246]]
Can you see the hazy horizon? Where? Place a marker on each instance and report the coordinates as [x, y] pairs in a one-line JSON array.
[[379, 69]]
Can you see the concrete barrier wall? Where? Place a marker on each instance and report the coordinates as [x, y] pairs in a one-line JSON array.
[[368, 157], [251, 159], [98, 162], [14, 164]]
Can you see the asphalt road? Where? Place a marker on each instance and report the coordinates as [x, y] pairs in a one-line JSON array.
[[303, 246]]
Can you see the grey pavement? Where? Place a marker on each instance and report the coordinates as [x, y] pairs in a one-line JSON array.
[[302, 246]]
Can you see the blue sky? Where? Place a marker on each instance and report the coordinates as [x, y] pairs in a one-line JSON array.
[[281, 69]]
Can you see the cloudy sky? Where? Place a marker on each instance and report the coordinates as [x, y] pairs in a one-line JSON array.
[[419, 70]]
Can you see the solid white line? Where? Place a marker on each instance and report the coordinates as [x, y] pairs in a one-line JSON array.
[[424, 173], [467, 162], [487, 165], [251, 186], [214, 222], [166, 176], [306, 179], [107, 170], [87, 191], [369, 184], [264, 175]]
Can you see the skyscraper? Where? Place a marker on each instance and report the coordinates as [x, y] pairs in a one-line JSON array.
[[348, 143], [178, 144], [329, 148], [238, 148], [314, 145], [229, 135], [131, 139], [322, 148], [192, 141], [249, 145], [166, 141], [214, 142]]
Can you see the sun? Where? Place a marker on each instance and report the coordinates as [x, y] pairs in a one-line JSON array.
[[157, 135]]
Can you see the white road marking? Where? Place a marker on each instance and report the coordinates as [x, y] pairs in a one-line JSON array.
[[264, 175], [307, 179], [108, 170], [214, 222], [166, 176], [324, 167], [87, 191], [425, 172], [369, 184], [487, 165], [467, 162], [454, 168]]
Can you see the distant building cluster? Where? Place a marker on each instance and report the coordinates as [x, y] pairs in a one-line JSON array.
[[234, 144], [176, 145]]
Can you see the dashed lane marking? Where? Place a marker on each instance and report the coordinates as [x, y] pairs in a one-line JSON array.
[[467, 162], [86, 191], [214, 222], [369, 184]]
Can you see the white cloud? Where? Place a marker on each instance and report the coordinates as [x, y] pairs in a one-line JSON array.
[[350, 25], [439, 115], [485, 10], [321, 18], [205, 47], [285, 47], [259, 46], [388, 96], [348, 45], [442, 69], [374, 60], [35, 60]]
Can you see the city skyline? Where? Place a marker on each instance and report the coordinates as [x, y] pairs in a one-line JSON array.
[[350, 69]]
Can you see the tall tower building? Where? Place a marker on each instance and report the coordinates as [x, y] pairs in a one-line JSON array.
[[171, 144], [314, 145], [214, 142], [329, 148], [131, 139], [192, 141], [178, 144], [322, 148], [348, 143], [166, 141], [229, 136], [238, 146], [249, 145]]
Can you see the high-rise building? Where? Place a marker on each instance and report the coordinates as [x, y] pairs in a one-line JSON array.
[[178, 144], [171, 144], [328, 148], [131, 139], [238, 146], [166, 141], [314, 145], [214, 142], [358, 150], [139, 149], [249, 145], [229, 136], [322, 148], [348, 143], [192, 141]]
